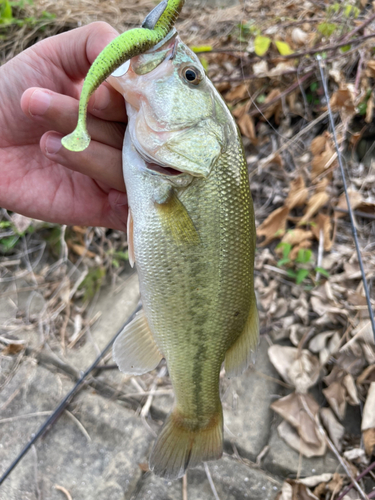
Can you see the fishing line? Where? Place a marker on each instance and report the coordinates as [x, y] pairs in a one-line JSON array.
[[350, 211], [66, 401]]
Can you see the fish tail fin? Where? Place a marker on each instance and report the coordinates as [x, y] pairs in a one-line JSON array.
[[179, 445]]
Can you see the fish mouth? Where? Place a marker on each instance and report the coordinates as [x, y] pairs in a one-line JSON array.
[[163, 170]]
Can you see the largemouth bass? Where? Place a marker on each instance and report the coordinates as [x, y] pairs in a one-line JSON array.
[[191, 234]]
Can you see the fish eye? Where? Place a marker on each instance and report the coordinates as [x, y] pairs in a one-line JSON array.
[[192, 75]]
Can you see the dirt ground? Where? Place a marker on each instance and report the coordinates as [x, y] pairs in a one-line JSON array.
[[300, 423]]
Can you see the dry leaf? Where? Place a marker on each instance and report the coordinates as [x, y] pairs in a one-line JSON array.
[[80, 250], [370, 70], [335, 394], [297, 236], [368, 416], [313, 481], [298, 193], [274, 226], [369, 441], [343, 100], [20, 222], [335, 430], [351, 390], [295, 490], [322, 223], [297, 367], [239, 92], [292, 410], [247, 128], [299, 36], [303, 245], [260, 68], [316, 202], [291, 437], [12, 349], [335, 484], [355, 199], [354, 454], [323, 155], [275, 108]]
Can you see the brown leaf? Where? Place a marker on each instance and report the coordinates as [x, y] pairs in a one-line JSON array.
[[335, 430], [247, 128], [343, 100], [80, 250], [336, 483], [318, 145], [297, 367], [304, 244], [298, 193], [312, 481], [292, 410], [369, 441], [322, 162], [275, 108], [292, 438], [239, 92], [355, 199], [322, 222], [274, 226], [315, 203], [335, 394], [370, 70], [297, 236], [12, 349]]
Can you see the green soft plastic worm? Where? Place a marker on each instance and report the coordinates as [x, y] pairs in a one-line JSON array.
[[130, 44]]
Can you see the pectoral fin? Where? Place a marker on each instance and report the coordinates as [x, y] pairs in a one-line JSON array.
[[135, 350], [175, 219], [239, 355]]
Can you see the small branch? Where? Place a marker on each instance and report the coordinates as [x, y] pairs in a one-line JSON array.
[[358, 478], [355, 212], [209, 477], [359, 28], [63, 490], [333, 448], [184, 487]]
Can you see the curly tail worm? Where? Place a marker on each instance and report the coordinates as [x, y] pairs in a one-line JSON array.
[[127, 45]]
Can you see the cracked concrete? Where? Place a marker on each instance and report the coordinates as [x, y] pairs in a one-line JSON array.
[[98, 450]]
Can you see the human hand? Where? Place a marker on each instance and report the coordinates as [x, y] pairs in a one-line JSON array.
[[39, 92]]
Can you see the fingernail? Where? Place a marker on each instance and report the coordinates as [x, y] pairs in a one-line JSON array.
[[39, 102], [53, 144]]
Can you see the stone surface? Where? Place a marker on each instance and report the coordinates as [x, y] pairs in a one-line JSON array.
[[246, 403], [233, 481], [284, 461]]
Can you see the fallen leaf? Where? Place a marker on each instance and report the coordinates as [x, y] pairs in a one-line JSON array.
[[247, 128], [343, 100], [12, 349], [274, 226], [303, 245], [355, 199], [322, 223], [370, 70], [275, 108], [239, 92], [351, 390], [297, 367], [368, 415], [354, 454], [299, 36], [369, 441], [298, 193], [20, 222], [291, 437], [296, 236], [313, 481], [316, 202], [283, 48], [335, 430], [260, 68], [335, 484], [261, 45], [318, 145], [335, 394], [292, 410]]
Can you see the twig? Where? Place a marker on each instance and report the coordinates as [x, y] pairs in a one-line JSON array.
[[283, 94], [209, 477], [320, 253], [354, 230], [355, 212], [358, 478], [63, 490], [333, 447], [79, 425], [184, 487], [65, 402], [359, 28], [27, 415]]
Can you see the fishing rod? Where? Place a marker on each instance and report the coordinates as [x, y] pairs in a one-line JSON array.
[[66, 400], [350, 211]]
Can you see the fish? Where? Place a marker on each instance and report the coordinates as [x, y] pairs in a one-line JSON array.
[[191, 235]]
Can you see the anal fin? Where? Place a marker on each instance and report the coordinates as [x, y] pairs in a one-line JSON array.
[[239, 355], [135, 350]]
